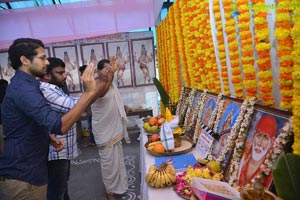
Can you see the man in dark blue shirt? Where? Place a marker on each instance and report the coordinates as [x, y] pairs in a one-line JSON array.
[[27, 119]]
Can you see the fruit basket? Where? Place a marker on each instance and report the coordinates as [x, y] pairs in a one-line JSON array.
[[152, 131], [186, 146]]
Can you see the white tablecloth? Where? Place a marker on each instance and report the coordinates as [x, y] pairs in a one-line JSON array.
[[146, 160]]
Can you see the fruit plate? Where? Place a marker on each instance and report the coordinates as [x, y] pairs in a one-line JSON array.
[[186, 146]]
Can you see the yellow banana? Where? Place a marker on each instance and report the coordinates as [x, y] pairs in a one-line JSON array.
[[167, 180], [169, 116], [153, 143], [172, 178], [153, 178], [177, 131], [150, 173], [170, 170], [158, 180]]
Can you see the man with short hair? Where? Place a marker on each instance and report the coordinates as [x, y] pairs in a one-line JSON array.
[[27, 119], [253, 158], [59, 162]]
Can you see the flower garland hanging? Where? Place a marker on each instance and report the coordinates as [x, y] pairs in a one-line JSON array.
[[239, 143], [215, 111], [230, 29], [219, 114], [179, 101], [189, 105], [247, 54], [233, 132], [221, 46], [262, 46], [296, 77], [198, 122]]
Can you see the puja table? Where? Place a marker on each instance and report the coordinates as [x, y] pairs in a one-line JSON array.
[[146, 160]]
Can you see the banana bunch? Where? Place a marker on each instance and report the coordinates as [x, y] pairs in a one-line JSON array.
[[162, 176], [152, 144]]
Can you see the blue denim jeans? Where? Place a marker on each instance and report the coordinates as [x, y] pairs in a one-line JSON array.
[[58, 175]]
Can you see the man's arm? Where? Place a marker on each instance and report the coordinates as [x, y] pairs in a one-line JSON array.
[[71, 117]]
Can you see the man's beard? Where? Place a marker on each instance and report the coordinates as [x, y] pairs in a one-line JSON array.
[[259, 156]]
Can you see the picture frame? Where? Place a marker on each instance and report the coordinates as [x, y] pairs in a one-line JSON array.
[[265, 127], [143, 61], [121, 51], [229, 114], [6, 70], [70, 57], [92, 53], [210, 103]]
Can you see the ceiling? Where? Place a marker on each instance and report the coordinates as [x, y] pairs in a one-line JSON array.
[[63, 20]]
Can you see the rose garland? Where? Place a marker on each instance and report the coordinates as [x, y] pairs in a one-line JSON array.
[[262, 45], [239, 143], [214, 113], [296, 77], [247, 60], [234, 132], [221, 46], [285, 47], [230, 29], [283, 137]]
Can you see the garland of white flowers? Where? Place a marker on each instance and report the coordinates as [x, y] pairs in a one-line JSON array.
[[198, 122], [219, 114], [179, 101], [233, 132], [240, 143], [189, 103], [283, 137], [214, 113]]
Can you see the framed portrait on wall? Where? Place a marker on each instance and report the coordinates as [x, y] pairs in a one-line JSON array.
[[262, 133], [144, 61], [120, 50], [70, 57], [92, 53], [7, 72], [210, 103]]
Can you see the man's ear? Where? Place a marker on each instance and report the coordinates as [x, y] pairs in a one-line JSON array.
[[24, 60]]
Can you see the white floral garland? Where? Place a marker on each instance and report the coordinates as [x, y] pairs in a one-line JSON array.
[[214, 113], [179, 101], [201, 109], [283, 137], [240, 143], [189, 103], [233, 132], [219, 114]]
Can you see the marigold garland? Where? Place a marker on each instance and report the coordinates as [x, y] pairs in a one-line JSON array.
[[263, 47], [296, 77]]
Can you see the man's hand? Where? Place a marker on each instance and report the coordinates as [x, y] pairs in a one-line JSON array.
[[106, 74], [88, 79], [57, 143]]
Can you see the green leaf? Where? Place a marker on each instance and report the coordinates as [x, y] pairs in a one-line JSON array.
[[286, 176], [162, 92]]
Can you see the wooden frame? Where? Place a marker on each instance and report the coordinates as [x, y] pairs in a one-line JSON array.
[[69, 55], [93, 52], [263, 130], [6, 70], [143, 61], [123, 76]]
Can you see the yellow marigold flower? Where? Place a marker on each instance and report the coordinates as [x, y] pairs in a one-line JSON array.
[[281, 33], [263, 46]]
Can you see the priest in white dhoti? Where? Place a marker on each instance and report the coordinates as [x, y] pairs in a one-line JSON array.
[[109, 128]]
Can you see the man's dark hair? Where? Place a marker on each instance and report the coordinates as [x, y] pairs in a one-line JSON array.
[[82, 68], [101, 63], [23, 47], [53, 63]]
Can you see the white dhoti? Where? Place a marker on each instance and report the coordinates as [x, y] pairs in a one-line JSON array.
[[113, 169]]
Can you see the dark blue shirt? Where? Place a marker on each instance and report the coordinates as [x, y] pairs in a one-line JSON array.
[[27, 118]]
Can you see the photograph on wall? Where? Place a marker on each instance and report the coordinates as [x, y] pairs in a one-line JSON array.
[[144, 61], [264, 129], [119, 52], [70, 57], [7, 72], [231, 110], [92, 53]]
